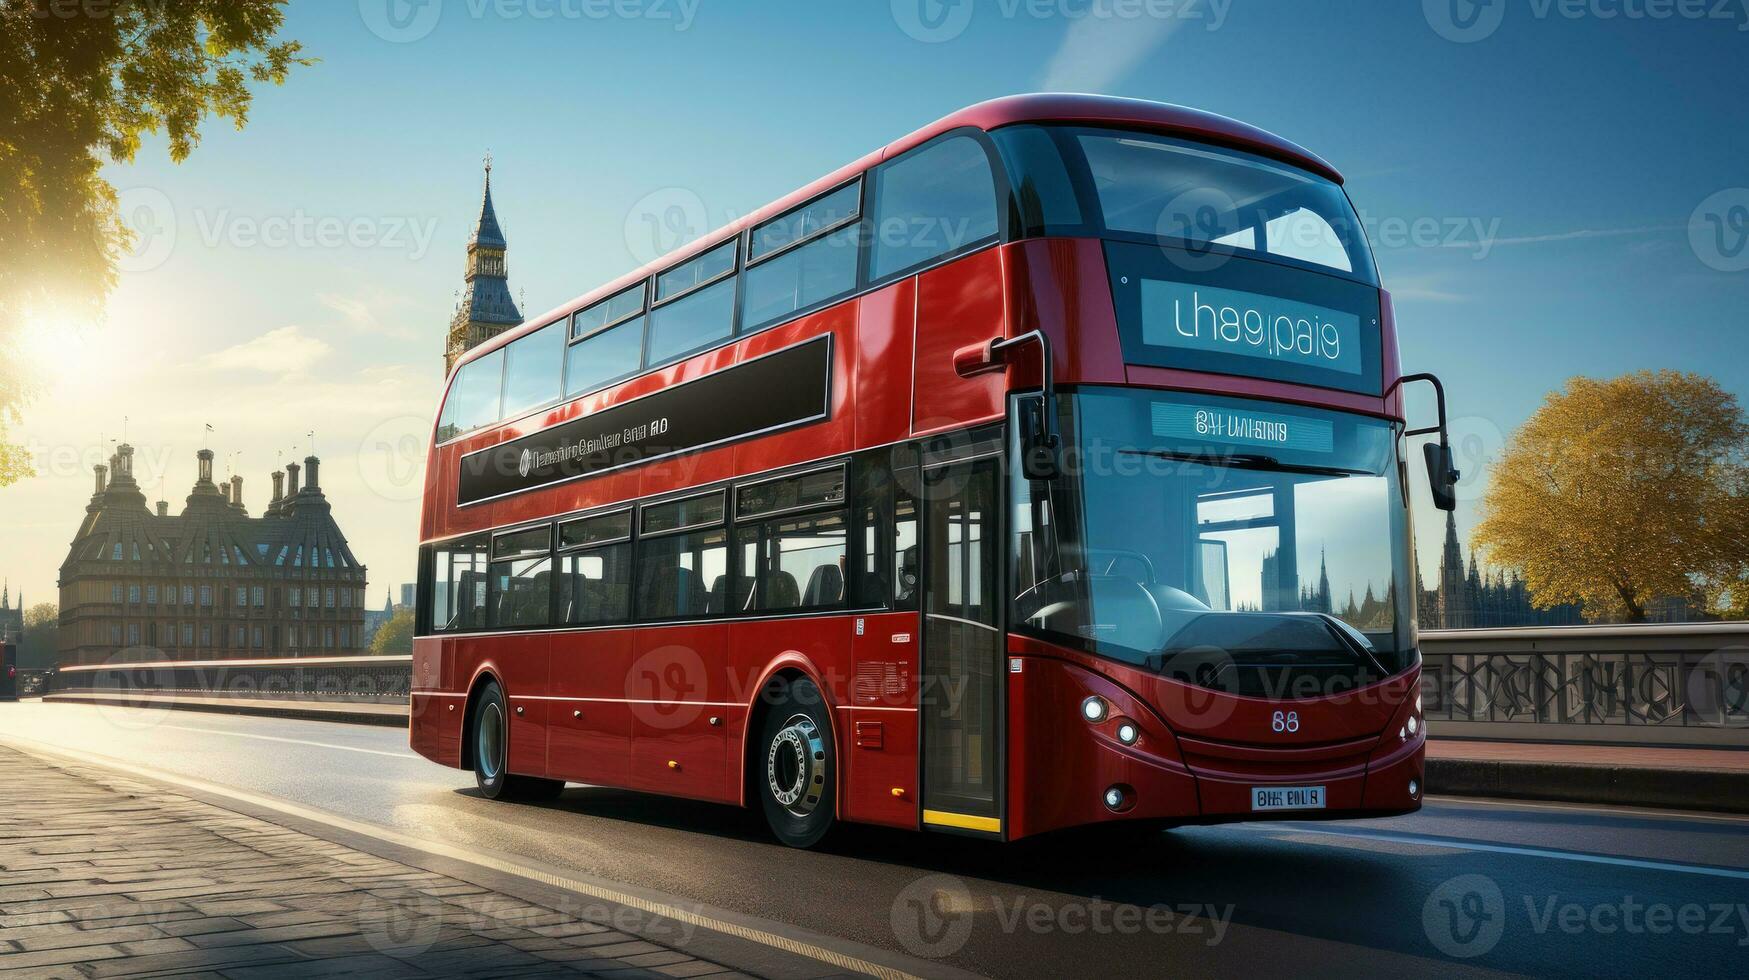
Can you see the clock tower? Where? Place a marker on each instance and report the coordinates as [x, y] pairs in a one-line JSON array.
[[486, 309]]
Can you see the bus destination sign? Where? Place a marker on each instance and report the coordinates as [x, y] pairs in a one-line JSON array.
[[776, 391]]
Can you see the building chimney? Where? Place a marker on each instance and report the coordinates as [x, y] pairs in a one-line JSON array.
[[102, 472], [291, 479], [163, 509], [125, 453], [225, 490], [311, 483], [278, 485], [205, 457], [237, 491]]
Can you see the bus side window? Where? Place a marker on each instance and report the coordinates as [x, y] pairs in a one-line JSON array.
[[458, 585], [930, 202], [683, 552], [793, 549], [595, 570]]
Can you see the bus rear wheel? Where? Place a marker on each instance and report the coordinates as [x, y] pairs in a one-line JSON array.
[[491, 752], [795, 768]]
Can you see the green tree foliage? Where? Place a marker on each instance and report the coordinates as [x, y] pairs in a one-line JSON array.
[[81, 81], [36, 647], [1617, 492], [395, 637]]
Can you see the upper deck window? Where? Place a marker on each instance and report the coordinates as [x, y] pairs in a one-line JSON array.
[[531, 369], [621, 305], [933, 201], [695, 305], [607, 342], [475, 397], [802, 259], [1159, 188]]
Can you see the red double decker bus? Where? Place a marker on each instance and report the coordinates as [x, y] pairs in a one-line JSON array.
[[1043, 468]]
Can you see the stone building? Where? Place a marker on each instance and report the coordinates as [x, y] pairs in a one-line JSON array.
[[486, 309], [212, 581]]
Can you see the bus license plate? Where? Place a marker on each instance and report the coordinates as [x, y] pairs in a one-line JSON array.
[[1287, 798]]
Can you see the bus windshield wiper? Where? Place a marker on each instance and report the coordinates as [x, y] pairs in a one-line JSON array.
[[1248, 461]]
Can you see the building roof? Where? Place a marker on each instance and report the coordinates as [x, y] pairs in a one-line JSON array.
[[297, 534], [1009, 110], [486, 230]]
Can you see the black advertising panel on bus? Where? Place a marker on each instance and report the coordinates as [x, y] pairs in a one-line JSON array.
[[775, 391], [1216, 311]]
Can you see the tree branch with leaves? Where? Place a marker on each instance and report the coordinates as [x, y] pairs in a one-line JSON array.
[[81, 83]]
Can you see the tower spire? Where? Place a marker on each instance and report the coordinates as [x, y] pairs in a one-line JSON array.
[[485, 308]]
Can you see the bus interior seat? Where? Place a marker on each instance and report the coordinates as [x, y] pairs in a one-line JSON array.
[[781, 591], [722, 601], [825, 587]]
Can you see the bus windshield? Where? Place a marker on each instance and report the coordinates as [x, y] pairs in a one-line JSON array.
[[1243, 545], [1156, 187]]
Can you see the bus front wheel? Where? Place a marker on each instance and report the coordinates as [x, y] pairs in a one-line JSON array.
[[491, 750], [795, 767]]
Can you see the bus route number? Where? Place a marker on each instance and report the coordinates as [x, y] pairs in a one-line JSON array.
[[1288, 721]]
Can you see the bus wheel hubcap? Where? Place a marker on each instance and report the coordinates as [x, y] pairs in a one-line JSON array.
[[491, 742], [795, 766]]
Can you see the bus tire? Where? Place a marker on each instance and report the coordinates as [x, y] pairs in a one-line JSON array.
[[796, 766], [491, 753]]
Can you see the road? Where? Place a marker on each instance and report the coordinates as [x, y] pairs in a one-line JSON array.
[[1476, 887]]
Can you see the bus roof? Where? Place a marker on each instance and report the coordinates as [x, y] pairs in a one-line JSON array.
[[1005, 111]]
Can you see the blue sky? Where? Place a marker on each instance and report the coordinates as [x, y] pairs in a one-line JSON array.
[[1530, 194]]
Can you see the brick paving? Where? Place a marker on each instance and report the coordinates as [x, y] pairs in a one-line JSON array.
[[102, 875]]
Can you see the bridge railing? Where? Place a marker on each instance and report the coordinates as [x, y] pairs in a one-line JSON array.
[[359, 679], [1678, 684], [1683, 684]]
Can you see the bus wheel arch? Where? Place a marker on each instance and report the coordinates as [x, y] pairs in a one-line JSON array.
[[469, 704]]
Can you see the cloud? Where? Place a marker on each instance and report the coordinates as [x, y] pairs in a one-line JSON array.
[[362, 313], [1097, 51], [1579, 234], [1426, 289], [286, 352]]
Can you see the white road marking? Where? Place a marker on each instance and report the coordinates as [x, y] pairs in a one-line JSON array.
[[295, 741], [1513, 849]]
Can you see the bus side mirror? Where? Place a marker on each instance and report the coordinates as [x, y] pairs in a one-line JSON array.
[[1038, 442], [1442, 476]]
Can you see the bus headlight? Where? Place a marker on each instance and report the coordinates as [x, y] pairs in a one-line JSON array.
[[1414, 789], [1093, 709], [1127, 733], [1414, 724], [1119, 798]]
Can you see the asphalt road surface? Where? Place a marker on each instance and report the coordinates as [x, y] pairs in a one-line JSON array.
[[1464, 887]]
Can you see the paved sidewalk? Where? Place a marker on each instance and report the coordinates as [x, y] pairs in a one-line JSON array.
[[1638, 757], [102, 875]]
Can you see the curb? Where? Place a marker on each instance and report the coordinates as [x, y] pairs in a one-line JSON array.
[[311, 711], [1715, 790]]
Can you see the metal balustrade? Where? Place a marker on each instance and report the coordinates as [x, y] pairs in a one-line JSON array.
[[1679, 684], [1683, 684], [363, 679]]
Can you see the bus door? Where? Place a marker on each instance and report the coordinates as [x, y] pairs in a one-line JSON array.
[[959, 697]]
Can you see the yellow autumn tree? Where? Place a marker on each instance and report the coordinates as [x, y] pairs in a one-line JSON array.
[[1616, 492]]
